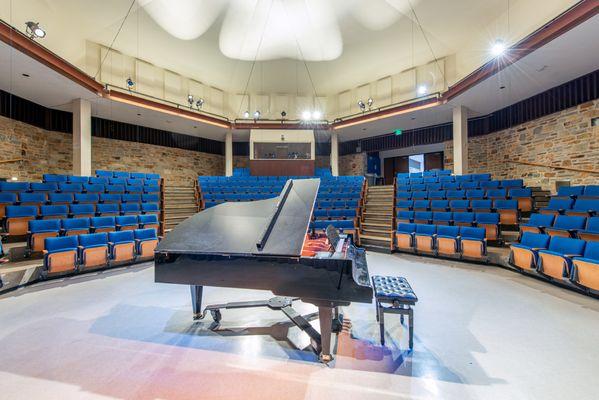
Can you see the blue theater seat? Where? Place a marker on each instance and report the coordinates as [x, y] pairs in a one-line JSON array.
[[103, 224], [137, 175], [459, 205], [490, 223], [94, 188], [436, 194], [83, 210], [43, 186], [496, 194], [404, 216], [77, 179], [130, 208], [523, 197], [423, 217], [14, 186], [481, 177], [93, 250], [87, 198], [40, 230], [126, 222], [481, 206], [591, 192], [153, 208], [524, 255], [136, 182], [131, 198], [420, 195], [151, 189], [446, 179], [584, 207], [102, 173], [512, 183], [421, 205], [488, 185], [450, 186], [404, 236], [152, 176], [321, 214], [54, 178], [591, 231], [556, 261], [6, 199], [469, 185], [75, 226], [463, 218], [585, 269], [32, 199], [134, 189], [148, 221], [439, 205], [474, 194], [121, 174], [570, 191], [424, 238], [97, 180], [110, 198], [463, 178], [566, 225], [435, 187], [146, 241], [557, 206], [473, 245], [150, 198], [57, 199], [442, 218], [537, 223], [60, 254], [115, 189], [121, 247], [70, 187], [447, 241], [404, 204], [117, 181], [54, 212], [404, 195], [508, 211]]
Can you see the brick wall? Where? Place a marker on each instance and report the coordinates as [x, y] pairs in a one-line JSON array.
[[51, 152], [352, 164], [564, 139]]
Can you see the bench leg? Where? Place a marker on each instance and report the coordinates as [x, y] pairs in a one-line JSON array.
[[411, 327], [381, 314]]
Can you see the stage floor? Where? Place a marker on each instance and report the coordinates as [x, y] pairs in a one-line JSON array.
[[481, 332]]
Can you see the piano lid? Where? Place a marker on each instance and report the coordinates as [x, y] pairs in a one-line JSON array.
[[273, 227]]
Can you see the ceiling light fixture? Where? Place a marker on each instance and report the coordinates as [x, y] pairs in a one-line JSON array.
[[370, 102], [283, 114], [498, 48], [199, 103], [306, 115], [129, 83], [257, 114], [34, 31], [361, 105], [246, 114], [316, 115], [422, 90], [190, 100]]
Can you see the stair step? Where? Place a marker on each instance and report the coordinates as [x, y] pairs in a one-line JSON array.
[[377, 238]]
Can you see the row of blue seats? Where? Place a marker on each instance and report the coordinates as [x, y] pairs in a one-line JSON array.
[[335, 213], [591, 191], [237, 172], [346, 226], [490, 222], [270, 189], [456, 205], [125, 174], [416, 187], [447, 241], [320, 203], [40, 229], [464, 194], [260, 196], [52, 179], [561, 259], [76, 187], [341, 178], [17, 217], [70, 254], [571, 206], [433, 172], [563, 225], [452, 183], [25, 198]]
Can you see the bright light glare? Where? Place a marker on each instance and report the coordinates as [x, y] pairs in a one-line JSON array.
[[421, 90], [498, 48], [316, 115], [306, 115]]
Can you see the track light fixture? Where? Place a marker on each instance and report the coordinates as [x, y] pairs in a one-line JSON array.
[[361, 105], [370, 102], [246, 114], [34, 31], [190, 100], [283, 114], [199, 103], [129, 83], [498, 48], [257, 114]]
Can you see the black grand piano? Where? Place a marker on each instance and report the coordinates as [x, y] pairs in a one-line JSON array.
[[266, 245]]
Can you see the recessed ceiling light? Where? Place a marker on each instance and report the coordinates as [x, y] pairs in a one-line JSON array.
[[498, 48]]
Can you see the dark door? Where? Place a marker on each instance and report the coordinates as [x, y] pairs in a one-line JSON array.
[[433, 161], [394, 165]]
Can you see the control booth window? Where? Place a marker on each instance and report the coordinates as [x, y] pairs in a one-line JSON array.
[[282, 151]]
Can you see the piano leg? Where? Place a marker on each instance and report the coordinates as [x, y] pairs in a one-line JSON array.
[[325, 316], [196, 301]]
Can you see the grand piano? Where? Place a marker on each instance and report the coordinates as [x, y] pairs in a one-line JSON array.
[[266, 245]]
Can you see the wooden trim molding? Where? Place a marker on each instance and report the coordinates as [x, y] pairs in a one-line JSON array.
[[19, 41], [11, 160]]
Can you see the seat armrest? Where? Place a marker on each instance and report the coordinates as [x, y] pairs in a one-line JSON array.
[[572, 255]]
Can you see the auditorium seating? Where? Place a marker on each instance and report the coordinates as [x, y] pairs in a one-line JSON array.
[[537, 223], [93, 250], [585, 269], [555, 262], [17, 218], [591, 231], [145, 242], [39, 230], [61, 254], [566, 226], [524, 255]]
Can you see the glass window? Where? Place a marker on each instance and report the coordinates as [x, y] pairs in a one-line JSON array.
[[282, 151], [417, 163]]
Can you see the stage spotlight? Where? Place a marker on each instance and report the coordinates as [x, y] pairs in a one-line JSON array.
[[316, 115], [498, 48], [199, 103], [130, 83], [370, 102], [361, 105], [34, 31], [283, 114], [422, 90], [257, 114], [246, 114], [306, 115], [190, 100]]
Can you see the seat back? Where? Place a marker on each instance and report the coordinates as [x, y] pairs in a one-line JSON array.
[[586, 205], [147, 219], [406, 228], [145, 234], [83, 209], [487, 218], [471, 233], [38, 198], [61, 243], [103, 222], [127, 220], [60, 198], [573, 191], [569, 222], [559, 204], [426, 229], [44, 225], [71, 224], [121, 237], [93, 239], [463, 217], [535, 240], [451, 231], [593, 224], [545, 220], [564, 245], [591, 251]]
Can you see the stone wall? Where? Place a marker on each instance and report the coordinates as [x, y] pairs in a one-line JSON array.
[[352, 164], [51, 152], [563, 139]]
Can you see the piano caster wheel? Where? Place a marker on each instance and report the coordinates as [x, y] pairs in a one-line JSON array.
[[216, 315], [326, 358]]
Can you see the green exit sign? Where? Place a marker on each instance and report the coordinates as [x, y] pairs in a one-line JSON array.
[[398, 132]]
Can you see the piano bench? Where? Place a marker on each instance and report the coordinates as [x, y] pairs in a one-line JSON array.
[[398, 294]]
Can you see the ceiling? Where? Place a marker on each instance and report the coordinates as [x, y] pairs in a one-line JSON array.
[[301, 46]]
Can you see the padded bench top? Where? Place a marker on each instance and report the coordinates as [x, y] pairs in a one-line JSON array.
[[393, 288]]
